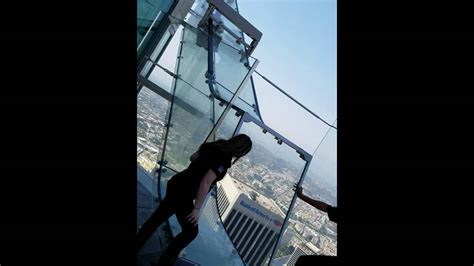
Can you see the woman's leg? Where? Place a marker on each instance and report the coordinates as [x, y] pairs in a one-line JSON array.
[[187, 235], [163, 212]]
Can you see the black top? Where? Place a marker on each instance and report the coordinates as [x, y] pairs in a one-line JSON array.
[[188, 181], [332, 214]]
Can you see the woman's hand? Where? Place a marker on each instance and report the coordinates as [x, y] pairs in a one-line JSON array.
[[299, 190], [193, 218]]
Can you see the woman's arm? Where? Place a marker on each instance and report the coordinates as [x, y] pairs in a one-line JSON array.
[[315, 203], [201, 195], [204, 188]]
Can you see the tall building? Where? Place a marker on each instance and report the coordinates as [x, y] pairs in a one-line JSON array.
[[252, 227], [227, 194], [303, 249]]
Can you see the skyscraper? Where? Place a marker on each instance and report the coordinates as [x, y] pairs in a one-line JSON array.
[[303, 249], [252, 227]]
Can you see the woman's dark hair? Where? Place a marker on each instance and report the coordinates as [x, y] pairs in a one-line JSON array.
[[238, 145]]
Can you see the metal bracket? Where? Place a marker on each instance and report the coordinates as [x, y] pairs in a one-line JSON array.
[[235, 18]]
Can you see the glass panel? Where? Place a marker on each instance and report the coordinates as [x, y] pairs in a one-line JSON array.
[[292, 121], [151, 251], [229, 76], [309, 230], [151, 118], [190, 125], [229, 69], [146, 30], [167, 60], [147, 202], [200, 7], [247, 99], [260, 189], [147, 12], [212, 246], [193, 66], [229, 66], [154, 55], [241, 103], [145, 199], [321, 178], [193, 111], [300, 236], [229, 124]]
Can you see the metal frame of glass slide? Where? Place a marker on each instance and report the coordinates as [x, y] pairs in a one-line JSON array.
[[246, 118]]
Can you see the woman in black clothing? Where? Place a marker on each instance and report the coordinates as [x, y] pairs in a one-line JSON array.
[[186, 191]]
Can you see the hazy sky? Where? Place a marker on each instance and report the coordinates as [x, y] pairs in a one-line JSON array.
[[298, 53]]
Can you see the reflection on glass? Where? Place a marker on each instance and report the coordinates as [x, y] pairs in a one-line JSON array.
[[255, 196]]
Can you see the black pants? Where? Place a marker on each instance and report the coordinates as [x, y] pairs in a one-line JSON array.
[[173, 203]]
